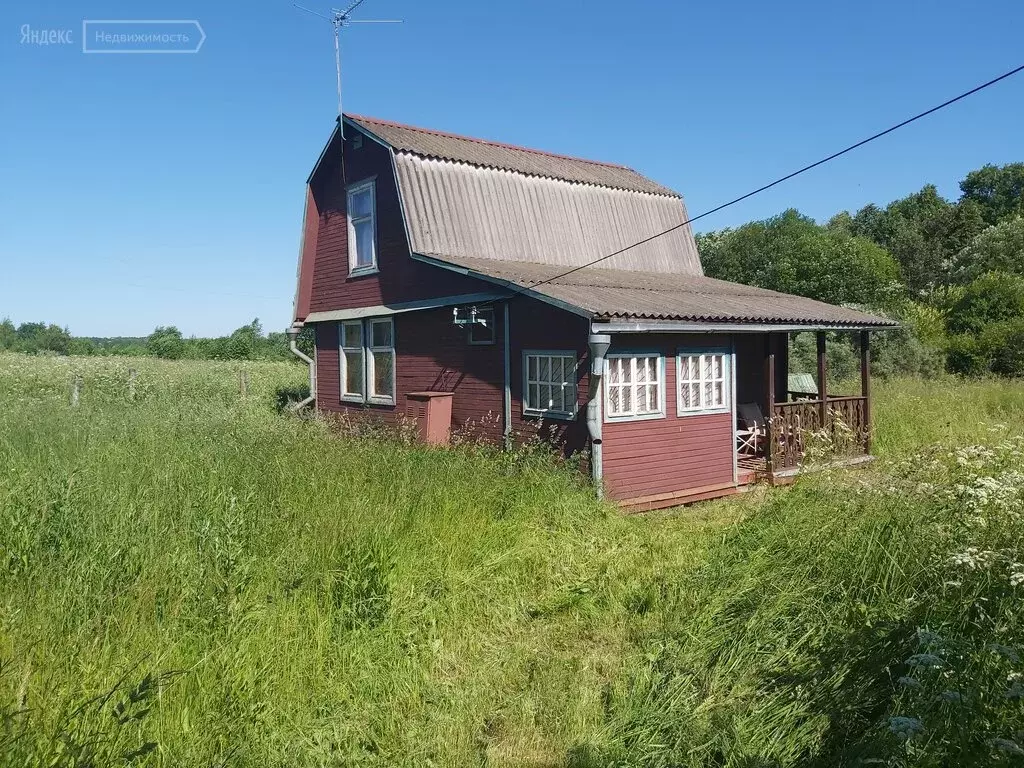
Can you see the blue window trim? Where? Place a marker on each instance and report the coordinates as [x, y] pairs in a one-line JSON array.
[[358, 186], [730, 366], [365, 325], [543, 413], [662, 387]]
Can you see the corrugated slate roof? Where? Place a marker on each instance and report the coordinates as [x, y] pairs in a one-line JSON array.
[[522, 216], [456, 210], [492, 154], [609, 294]]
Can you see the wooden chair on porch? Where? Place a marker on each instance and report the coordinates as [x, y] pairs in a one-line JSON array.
[[751, 429]]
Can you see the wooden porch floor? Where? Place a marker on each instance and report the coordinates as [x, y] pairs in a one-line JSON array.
[[752, 469]]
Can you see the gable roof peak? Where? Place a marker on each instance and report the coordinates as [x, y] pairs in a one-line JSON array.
[[453, 147], [461, 137]]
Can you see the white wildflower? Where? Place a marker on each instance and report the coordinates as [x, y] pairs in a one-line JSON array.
[[1015, 677], [1016, 574], [905, 727], [974, 559]]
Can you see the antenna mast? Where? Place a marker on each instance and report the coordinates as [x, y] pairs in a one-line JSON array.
[[339, 19]]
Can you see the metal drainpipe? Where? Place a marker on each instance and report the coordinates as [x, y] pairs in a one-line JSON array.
[[507, 394], [599, 343], [293, 334]]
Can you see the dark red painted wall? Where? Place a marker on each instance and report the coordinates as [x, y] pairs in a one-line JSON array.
[[431, 354], [674, 454], [400, 278], [307, 257], [538, 326]]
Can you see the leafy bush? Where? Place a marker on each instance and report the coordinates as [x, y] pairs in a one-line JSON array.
[[998, 349], [986, 320], [993, 297]]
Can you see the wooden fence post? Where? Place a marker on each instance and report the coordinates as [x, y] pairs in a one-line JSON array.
[[822, 385], [132, 373], [243, 383], [865, 386], [76, 389], [769, 375]]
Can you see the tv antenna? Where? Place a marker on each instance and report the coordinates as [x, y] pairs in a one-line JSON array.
[[339, 19]]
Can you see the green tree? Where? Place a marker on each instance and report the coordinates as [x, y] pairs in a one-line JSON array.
[[166, 342], [1000, 248], [245, 341], [998, 190], [791, 253], [40, 337], [8, 334], [923, 231], [81, 346]]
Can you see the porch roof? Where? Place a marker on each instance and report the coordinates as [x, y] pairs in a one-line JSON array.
[[617, 295]]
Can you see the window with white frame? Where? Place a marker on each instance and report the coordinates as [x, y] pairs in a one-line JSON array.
[[704, 381], [634, 386], [367, 361], [353, 369], [380, 361], [549, 384], [482, 331], [362, 227]]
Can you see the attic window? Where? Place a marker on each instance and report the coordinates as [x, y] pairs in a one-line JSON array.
[[357, 141], [362, 228]]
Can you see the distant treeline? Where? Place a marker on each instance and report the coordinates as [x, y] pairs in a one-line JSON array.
[[952, 272], [245, 343]]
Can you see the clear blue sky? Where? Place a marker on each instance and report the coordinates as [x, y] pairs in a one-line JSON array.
[[152, 189]]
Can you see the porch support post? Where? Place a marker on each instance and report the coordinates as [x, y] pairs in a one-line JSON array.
[[865, 386], [769, 381], [822, 384]]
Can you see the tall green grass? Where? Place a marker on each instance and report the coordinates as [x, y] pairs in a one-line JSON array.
[[191, 579]]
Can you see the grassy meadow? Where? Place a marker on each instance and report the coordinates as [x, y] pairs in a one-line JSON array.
[[192, 579]]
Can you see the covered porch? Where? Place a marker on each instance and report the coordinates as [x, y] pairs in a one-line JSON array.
[[786, 424]]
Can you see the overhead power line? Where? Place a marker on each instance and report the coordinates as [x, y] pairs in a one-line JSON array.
[[778, 181]]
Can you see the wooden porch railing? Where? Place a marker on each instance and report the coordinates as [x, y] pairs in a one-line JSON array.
[[795, 426]]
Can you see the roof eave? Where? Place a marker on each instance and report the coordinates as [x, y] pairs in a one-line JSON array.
[[710, 326], [517, 290]]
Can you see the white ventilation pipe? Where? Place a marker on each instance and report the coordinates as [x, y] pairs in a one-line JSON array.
[[293, 335], [599, 343]]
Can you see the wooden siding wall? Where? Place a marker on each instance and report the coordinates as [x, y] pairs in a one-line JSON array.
[[669, 455], [400, 278], [539, 326], [432, 354]]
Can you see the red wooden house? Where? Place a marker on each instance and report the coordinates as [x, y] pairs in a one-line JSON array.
[[437, 271]]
